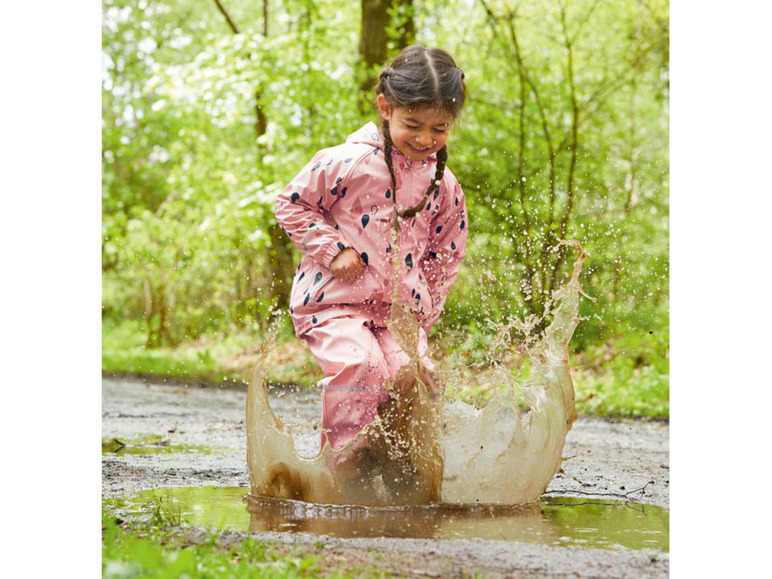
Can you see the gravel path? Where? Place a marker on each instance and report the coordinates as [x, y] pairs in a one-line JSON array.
[[624, 458]]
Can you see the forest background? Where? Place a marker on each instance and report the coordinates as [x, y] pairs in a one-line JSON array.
[[210, 107]]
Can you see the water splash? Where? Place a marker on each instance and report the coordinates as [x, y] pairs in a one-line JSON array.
[[422, 450]]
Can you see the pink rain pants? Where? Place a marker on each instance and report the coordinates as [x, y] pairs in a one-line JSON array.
[[357, 358]]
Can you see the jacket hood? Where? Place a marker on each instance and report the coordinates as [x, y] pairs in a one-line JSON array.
[[369, 134]]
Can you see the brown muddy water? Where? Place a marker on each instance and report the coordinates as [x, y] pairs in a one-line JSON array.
[[419, 451], [555, 521], [151, 444], [474, 472]]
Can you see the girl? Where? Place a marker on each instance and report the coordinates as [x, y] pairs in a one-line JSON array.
[[381, 195]]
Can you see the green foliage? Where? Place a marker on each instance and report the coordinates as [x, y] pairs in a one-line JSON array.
[[213, 357], [124, 350], [164, 513], [151, 549], [565, 135], [624, 391]]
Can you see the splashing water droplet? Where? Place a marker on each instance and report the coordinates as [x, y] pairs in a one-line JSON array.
[[423, 448]]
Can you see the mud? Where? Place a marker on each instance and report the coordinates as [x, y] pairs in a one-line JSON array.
[[624, 459]]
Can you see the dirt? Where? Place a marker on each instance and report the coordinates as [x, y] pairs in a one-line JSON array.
[[602, 458]]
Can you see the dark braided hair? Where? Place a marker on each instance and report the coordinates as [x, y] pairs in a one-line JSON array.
[[421, 77]]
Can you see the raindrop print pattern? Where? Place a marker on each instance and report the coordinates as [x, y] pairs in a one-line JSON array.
[[343, 199]]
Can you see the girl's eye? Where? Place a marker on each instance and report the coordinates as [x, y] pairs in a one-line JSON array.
[[412, 127]]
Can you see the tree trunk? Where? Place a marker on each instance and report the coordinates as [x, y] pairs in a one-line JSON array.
[[155, 303], [280, 253], [406, 23], [573, 147], [372, 42], [282, 267], [374, 39], [149, 342]]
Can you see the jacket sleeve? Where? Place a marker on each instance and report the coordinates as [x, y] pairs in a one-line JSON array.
[[300, 209], [446, 248]]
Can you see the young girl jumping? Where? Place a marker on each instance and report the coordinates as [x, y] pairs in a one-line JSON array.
[[382, 194]]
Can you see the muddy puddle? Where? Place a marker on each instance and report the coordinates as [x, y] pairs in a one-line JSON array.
[[423, 448], [437, 468], [554, 521], [151, 444]]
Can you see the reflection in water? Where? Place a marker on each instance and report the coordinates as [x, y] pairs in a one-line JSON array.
[[419, 451], [413, 522], [588, 523], [561, 521], [151, 444]]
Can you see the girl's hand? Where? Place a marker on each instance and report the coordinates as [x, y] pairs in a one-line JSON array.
[[432, 380], [347, 265]]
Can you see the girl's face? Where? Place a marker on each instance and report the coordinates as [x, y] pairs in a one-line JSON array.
[[416, 132]]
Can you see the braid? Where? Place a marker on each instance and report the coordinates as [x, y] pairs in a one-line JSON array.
[[442, 157], [420, 77], [387, 147]]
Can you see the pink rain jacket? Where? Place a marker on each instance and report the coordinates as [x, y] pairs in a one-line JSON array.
[[343, 198]]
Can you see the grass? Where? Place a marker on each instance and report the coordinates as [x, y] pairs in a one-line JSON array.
[[124, 351], [645, 393], [625, 377], [158, 543], [134, 549], [629, 376], [213, 358]]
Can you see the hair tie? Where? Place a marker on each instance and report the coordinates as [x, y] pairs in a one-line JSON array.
[[387, 71], [462, 72]]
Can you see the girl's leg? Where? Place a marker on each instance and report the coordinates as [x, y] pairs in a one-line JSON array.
[[396, 358], [406, 477], [355, 368]]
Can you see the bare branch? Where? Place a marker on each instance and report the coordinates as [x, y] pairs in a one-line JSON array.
[[224, 12], [584, 20], [573, 145], [521, 178], [625, 496]]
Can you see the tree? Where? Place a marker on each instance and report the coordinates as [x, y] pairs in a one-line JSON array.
[[280, 262], [562, 79], [206, 117], [386, 24]]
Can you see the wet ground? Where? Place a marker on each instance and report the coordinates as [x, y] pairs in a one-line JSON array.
[[170, 435]]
